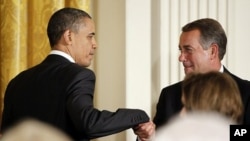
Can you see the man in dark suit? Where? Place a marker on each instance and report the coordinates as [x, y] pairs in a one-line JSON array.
[[202, 46], [59, 90]]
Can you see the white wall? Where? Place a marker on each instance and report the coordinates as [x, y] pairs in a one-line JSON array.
[[238, 36], [109, 63], [138, 48]]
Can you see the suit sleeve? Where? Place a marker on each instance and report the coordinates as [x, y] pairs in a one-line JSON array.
[[247, 113], [160, 116], [245, 95], [91, 121], [169, 104]]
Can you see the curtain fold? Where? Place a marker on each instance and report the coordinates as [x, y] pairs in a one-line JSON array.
[[23, 34]]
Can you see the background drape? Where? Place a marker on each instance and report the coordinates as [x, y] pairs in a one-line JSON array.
[[23, 36]]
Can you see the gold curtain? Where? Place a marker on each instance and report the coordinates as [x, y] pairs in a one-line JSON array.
[[23, 34]]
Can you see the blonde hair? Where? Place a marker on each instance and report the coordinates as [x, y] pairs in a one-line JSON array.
[[212, 91]]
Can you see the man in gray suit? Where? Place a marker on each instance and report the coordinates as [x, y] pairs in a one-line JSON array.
[[59, 90]]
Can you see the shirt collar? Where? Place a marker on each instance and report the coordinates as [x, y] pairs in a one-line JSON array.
[[63, 54], [221, 68]]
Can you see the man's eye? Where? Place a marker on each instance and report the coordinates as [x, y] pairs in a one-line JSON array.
[[186, 50], [189, 50]]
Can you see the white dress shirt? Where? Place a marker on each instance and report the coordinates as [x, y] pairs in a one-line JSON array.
[[63, 54]]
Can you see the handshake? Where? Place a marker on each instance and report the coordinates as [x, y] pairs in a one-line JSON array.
[[145, 131]]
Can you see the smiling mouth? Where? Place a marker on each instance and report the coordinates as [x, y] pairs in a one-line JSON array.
[[187, 65]]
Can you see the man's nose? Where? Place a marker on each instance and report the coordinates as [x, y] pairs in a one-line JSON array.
[[94, 44], [182, 57]]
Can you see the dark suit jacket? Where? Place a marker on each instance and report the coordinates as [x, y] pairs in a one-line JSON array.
[[170, 104], [61, 93]]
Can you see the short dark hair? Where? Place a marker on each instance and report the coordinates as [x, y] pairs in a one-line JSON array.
[[62, 20], [211, 32]]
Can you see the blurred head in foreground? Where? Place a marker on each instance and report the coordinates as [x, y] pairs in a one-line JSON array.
[[32, 130], [211, 102], [194, 126], [212, 92]]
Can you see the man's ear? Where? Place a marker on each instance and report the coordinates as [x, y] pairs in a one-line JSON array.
[[214, 51], [67, 37]]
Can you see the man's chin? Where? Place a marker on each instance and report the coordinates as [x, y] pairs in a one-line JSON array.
[[85, 64], [188, 70]]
